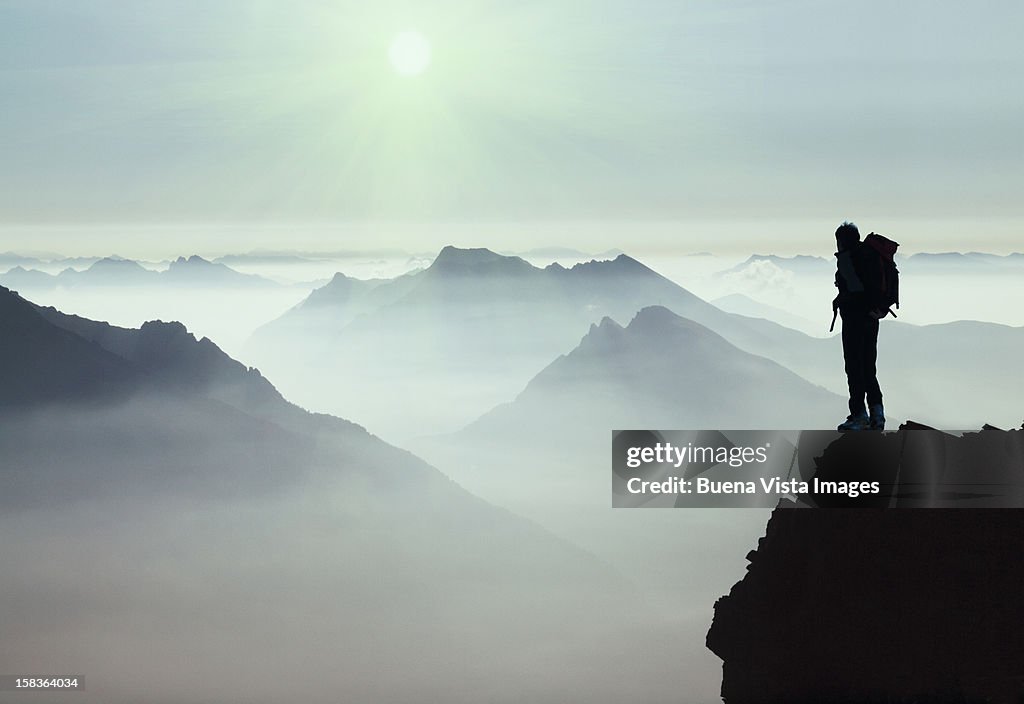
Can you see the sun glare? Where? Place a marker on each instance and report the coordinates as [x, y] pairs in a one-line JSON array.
[[409, 53]]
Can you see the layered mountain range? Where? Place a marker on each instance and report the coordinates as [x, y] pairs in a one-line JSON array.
[[533, 367], [212, 512], [475, 327], [113, 272]]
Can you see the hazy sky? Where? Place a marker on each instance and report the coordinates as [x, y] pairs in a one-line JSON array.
[[232, 111]]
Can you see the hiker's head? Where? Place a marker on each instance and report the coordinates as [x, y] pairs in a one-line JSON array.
[[847, 235]]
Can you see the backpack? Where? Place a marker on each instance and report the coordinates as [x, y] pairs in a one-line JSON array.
[[876, 268], [887, 281]]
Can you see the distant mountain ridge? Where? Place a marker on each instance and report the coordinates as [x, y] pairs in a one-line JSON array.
[[801, 264], [923, 262], [964, 262], [196, 270], [620, 286], [115, 271]]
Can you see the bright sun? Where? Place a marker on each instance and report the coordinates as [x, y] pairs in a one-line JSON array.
[[409, 53]]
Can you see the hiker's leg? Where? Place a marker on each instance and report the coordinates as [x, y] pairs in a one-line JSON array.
[[853, 355], [871, 388]]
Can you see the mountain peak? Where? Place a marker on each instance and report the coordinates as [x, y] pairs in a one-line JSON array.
[[659, 322], [800, 264], [657, 315], [196, 270], [469, 254], [602, 335], [606, 325], [115, 262], [624, 260], [621, 263], [778, 258], [10, 298], [337, 291], [456, 260], [165, 329], [194, 260]]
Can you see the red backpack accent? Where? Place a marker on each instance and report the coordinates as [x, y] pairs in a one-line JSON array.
[[883, 245], [889, 278]]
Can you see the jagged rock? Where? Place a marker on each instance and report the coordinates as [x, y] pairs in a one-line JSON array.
[[855, 605]]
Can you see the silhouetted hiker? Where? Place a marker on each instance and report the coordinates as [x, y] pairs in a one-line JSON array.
[[868, 285]]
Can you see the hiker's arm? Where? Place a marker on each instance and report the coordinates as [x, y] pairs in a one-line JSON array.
[[841, 295]]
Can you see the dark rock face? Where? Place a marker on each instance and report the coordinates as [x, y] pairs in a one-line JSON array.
[[863, 605]]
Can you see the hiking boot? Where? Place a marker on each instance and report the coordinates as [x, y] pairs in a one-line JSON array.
[[877, 420], [855, 421]]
